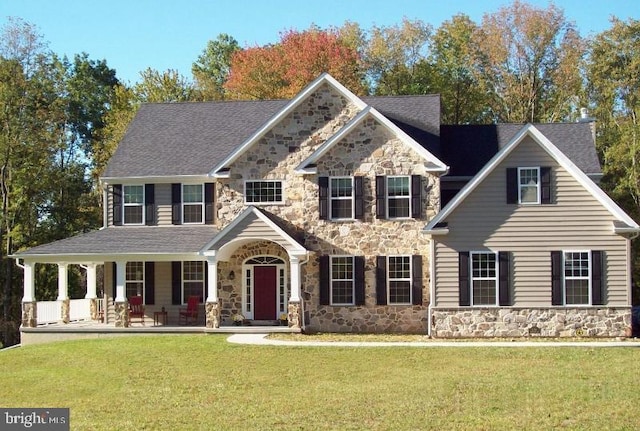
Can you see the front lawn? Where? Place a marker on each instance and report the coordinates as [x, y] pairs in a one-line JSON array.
[[186, 382]]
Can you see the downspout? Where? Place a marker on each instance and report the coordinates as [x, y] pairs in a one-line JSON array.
[[432, 276], [302, 326], [105, 202]]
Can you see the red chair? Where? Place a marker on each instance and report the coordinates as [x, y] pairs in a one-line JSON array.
[[191, 312], [136, 309]]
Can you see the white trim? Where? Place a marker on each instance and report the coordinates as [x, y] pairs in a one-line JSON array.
[[388, 279], [250, 267], [538, 185], [496, 278], [142, 281], [554, 152], [322, 79], [387, 197], [589, 278], [204, 281], [106, 181], [353, 281], [351, 198], [183, 203], [262, 203], [141, 205], [432, 163]]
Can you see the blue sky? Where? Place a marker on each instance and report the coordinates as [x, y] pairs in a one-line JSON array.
[[162, 34]]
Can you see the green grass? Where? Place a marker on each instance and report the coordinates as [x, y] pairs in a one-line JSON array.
[[185, 382]]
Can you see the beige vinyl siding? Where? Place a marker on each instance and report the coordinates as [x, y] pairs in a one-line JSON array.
[[110, 206], [253, 227], [574, 221]]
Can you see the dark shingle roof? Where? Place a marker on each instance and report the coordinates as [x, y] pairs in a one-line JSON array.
[[466, 149], [167, 139], [130, 240]]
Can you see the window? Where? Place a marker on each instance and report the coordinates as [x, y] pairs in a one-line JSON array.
[[484, 278], [529, 185], [192, 280], [263, 192], [133, 204], [342, 280], [399, 279], [192, 203], [576, 277], [134, 279], [398, 197], [341, 192]]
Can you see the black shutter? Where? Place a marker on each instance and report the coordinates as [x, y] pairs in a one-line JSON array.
[[416, 279], [176, 283], [597, 297], [205, 288], [416, 196], [209, 196], [323, 195], [503, 278], [358, 191], [114, 282], [324, 280], [464, 280], [176, 203], [512, 185], [545, 184], [381, 211], [358, 263], [381, 280], [149, 283], [117, 204], [150, 204], [556, 278]]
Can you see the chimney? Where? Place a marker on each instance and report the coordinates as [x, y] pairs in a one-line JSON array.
[[584, 118]]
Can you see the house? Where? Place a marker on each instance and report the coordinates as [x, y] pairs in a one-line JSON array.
[[315, 208]]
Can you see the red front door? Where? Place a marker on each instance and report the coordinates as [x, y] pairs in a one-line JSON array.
[[264, 290]]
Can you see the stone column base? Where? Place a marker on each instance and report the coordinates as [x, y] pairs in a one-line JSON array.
[[65, 313], [295, 321], [29, 314], [212, 312], [122, 314], [93, 308]]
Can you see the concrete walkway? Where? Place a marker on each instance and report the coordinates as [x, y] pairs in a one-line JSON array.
[[260, 339]]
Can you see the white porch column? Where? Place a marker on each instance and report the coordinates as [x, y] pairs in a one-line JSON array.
[[212, 283], [294, 270], [120, 281], [91, 281], [63, 283], [29, 283]]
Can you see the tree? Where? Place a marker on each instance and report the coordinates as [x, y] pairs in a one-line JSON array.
[[453, 72], [530, 63], [167, 86], [211, 69], [614, 92], [392, 55], [282, 70]]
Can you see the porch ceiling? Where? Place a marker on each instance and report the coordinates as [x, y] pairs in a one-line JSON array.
[[110, 243]]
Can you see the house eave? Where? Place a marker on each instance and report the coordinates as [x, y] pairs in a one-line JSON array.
[[157, 179]]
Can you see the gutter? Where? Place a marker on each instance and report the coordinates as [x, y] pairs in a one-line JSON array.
[[432, 269]]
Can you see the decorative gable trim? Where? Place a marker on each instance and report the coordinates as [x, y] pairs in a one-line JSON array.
[[559, 157], [432, 163], [325, 78], [222, 239]]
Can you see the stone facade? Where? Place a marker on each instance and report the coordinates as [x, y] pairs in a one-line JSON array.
[[531, 322], [66, 310], [29, 314], [294, 315], [121, 313], [212, 311], [369, 150]]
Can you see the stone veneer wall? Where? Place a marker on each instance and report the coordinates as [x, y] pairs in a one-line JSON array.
[[369, 150], [528, 322]]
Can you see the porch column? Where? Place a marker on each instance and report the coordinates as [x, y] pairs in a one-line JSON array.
[[91, 290], [63, 292], [121, 306], [212, 307], [294, 309], [29, 304]]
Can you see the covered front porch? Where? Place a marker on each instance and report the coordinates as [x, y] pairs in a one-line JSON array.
[[246, 277]]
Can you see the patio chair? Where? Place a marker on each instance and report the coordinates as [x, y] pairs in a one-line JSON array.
[[136, 309], [190, 313]]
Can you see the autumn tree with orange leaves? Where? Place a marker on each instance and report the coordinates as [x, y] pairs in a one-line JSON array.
[[281, 70]]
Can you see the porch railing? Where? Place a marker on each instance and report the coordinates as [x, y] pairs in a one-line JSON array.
[[48, 312], [79, 309]]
